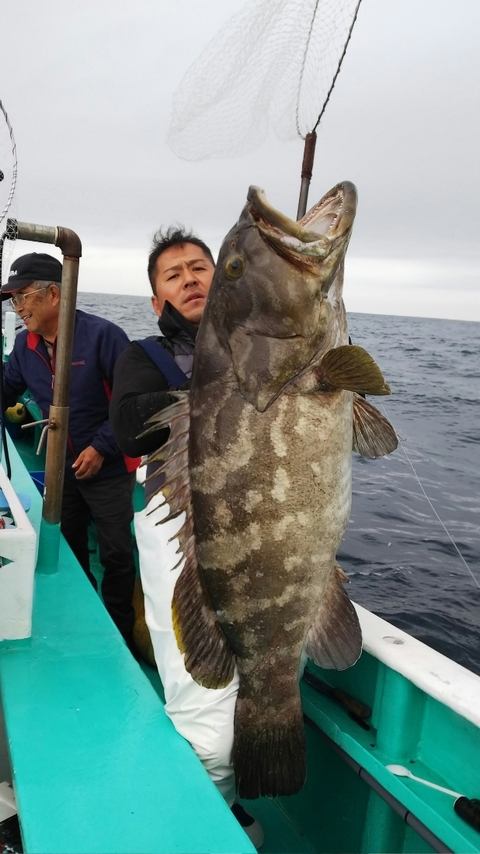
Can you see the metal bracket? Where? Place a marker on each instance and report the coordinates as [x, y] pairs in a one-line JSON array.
[[49, 425]]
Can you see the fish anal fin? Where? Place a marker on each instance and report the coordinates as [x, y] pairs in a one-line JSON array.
[[334, 640], [208, 657], [352, 368], [141, 634], [373, 435]]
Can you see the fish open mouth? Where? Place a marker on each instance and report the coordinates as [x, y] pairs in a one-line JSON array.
[[317, 232]]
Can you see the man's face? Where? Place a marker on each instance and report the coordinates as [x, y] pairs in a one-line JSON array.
[[183, 275], [40, 309]]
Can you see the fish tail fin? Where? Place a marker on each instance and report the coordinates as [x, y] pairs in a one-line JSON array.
[[269, 757]]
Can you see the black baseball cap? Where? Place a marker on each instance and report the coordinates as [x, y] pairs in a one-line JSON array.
[[34, 267]]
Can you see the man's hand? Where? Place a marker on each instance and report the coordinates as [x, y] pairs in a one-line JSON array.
[[87, 463]]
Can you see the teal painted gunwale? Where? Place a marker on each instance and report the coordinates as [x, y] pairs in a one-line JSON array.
[[427, 736], [97, 765]]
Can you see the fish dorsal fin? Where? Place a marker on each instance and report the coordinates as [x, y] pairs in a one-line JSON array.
[[373, 435], [208, 657], [352, 368], [334, 640]]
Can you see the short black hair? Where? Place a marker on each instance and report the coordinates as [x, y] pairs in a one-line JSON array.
[[173, 236]]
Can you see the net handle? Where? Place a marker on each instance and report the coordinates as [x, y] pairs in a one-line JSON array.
[[306, 174], [311, 138]]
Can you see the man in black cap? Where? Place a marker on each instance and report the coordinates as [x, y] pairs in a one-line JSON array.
[[99, 479]]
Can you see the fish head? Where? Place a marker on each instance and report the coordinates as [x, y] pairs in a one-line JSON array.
[[276, 290]]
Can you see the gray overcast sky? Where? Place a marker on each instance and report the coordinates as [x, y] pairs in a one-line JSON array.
[[88, 87]]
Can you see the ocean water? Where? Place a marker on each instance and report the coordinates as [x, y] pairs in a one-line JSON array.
[[412, 547]]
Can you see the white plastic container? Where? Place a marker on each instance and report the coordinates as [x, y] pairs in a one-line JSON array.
[[7, 801], [10, 320], [18, 553]]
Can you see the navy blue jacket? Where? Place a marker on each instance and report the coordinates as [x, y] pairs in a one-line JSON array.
[[97, 343]]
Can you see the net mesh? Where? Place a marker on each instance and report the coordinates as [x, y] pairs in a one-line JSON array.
[[8, 183], [271, 65]]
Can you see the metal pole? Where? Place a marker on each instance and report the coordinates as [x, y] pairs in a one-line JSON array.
[[59, 410], [71, 248]]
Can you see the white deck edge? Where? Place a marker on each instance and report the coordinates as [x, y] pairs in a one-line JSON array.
[[18, 545], [432, 672]]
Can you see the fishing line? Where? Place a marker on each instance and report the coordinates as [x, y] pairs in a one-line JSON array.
[[467, 567]]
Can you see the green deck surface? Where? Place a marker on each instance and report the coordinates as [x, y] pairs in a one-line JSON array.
[[97, 765], [131, 784]]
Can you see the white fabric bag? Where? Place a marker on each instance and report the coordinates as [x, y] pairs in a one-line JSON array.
[[204, 716]]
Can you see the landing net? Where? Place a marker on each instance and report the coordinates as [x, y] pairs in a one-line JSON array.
[[273, 65]]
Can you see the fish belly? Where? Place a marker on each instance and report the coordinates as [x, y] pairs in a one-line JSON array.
[[271, 498]]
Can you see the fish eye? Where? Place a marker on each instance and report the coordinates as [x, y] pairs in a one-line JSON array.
[[235, 267]]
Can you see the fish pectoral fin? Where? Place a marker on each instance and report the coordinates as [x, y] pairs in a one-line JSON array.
[[208, 657], [373, 435], [334, 640], [352, 368]]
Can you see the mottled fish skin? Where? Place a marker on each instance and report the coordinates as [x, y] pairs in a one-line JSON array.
[[267, 543], [258, 465], [270, 468]]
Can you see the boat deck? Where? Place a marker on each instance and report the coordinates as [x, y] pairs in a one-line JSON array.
[[103, 770], [97, 766]]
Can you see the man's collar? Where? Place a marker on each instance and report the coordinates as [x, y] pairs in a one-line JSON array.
[[171, 322]]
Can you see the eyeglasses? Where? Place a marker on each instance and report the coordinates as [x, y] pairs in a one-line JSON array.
[[19, 300]]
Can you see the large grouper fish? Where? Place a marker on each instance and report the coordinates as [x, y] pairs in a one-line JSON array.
[[259, 457]]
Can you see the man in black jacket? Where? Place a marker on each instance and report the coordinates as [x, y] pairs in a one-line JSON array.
[[180, 270]]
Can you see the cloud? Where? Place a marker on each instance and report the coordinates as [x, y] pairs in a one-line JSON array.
[[403, 124], [444, 288]]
